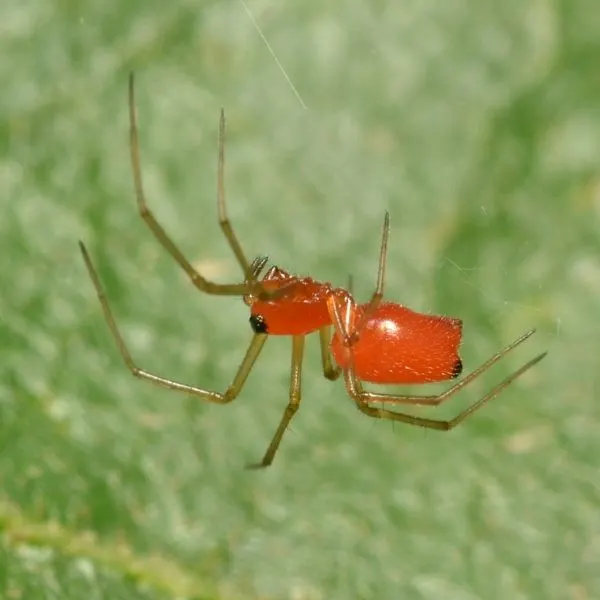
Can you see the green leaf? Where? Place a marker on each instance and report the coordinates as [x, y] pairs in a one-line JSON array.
[[477, 125]]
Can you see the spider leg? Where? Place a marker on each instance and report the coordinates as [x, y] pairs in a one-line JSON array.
[[232, 391], [442, 425], [224, 221], [343, 325], [293, 404], [435, 400], [378, 293], [350, 287], [227, 289], [330, 370]]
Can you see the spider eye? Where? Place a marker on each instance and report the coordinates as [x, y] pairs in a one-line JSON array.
[[258, 324]]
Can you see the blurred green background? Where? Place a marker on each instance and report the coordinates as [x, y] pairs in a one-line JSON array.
[[477, 124]]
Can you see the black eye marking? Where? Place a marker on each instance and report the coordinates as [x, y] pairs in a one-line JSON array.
[[258, 324]]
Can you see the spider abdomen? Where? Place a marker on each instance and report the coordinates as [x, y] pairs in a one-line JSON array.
[[400, 346]]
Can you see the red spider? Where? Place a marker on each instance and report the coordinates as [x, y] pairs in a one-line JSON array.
[[377, 342]]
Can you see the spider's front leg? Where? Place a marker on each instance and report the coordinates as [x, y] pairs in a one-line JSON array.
[[250, 285], [232, 391]]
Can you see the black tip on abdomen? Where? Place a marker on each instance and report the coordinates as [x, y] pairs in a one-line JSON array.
[[258, 324], [457, 369]]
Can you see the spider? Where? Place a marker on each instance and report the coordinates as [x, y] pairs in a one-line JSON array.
[[378, 342]]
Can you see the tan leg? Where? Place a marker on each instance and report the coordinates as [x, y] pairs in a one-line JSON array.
[[232, 391], [224, 221], [227, 289], [434, 400], [363, 398], [378, 293], [330, 370], [293, 404]]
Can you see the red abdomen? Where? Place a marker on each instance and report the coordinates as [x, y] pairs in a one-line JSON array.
[[401, 346]]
